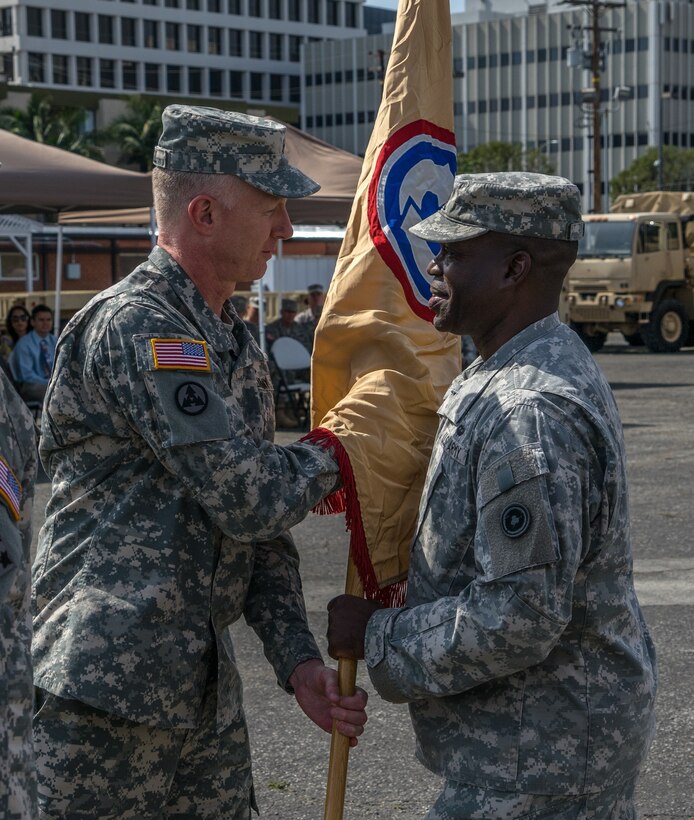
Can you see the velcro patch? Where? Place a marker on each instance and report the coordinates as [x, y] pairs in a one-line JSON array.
[[10, 490], [180, 354]]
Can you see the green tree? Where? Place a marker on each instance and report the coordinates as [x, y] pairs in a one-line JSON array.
[[44, 121], [642, 174], [136, 132], [503, 156]]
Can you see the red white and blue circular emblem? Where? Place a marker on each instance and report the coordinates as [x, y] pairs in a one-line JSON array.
[[413, 178]]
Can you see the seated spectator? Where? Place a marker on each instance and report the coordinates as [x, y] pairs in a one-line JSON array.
[[308, 319], [17, 325], [250, 317], [286, 326], [31, 360]]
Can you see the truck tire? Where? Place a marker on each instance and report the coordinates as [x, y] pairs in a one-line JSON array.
[[667, 329], [593, 341]]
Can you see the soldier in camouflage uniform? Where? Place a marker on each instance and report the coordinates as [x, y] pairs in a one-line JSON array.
[[522, 650], [307, 320], [170, 505], [17, 474]]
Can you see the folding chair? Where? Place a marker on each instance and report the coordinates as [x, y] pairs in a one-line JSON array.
[[290, 355]]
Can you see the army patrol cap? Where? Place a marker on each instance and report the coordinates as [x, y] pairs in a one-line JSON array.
[[290, 304], [203, 140], [523, 204]]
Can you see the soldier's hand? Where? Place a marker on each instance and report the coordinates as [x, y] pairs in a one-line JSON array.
[[347, 620]]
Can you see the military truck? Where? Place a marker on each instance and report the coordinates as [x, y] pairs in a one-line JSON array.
[[635, 273]]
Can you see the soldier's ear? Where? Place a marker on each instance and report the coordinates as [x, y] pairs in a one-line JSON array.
[[201, 213], [519, 264]]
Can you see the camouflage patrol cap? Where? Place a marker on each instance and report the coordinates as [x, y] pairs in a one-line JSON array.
[[204, 140], [519, 203], [290, 304]]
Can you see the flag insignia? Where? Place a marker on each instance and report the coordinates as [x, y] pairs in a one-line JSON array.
[[10, 491], [180, 354], [413, 177]]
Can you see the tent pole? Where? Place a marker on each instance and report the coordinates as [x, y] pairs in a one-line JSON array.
[[58, 280]]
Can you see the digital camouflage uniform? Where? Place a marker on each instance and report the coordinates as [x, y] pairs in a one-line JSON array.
[[523, 651], [17, 474], [167, 522], [306, 324]]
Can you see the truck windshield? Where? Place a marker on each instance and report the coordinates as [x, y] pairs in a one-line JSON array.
[[607, 239]]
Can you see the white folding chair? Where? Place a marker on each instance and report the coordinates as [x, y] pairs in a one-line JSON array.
[[289, 355]]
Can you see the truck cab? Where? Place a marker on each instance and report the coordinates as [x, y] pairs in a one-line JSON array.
[[633, 274]]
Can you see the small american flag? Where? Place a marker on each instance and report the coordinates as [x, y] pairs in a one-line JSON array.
[[10, 491], [180, 354]]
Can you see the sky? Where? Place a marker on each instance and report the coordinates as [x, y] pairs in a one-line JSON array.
[[456, 5]]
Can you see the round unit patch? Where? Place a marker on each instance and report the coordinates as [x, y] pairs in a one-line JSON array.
[[515, 520], [191, 398], [413, 178]]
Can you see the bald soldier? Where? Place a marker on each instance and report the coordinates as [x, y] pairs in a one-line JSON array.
[[17, 474], [170, 504], [522, 651]]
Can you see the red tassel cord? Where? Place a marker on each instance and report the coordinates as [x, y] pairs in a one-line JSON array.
[[346, 500]]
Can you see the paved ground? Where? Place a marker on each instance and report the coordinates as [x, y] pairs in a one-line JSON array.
[[656, 398]]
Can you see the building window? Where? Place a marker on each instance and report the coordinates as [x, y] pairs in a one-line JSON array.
[[529, 56], [234, 6], [313, 11], [333, 12], [505, 58], [530, 101], [193, 5], [257, 85], [553, 100], [107, 73], [294, 9], [58, 24], [254, 8], [493, 105], [276, 50], [37, 67], [34, 21], [275, 9], [277, 87], [151, 32], [214, 6], [236, 84], [173, 78], [255, 44], [493, 60], [214, 40], [294, 48], [482, 61], [542, 55], [516, 57], [482, 106], [84, 71], [129, 74], [235, 43], [152, 82], [60, 70], [106, 33], [194, 38], [542, 101], [516, 103], [194, 80], [6, 24], [630, 44], [553, 54], [150, 2], [294, 89], [172, 4], [173, 36], [215, 80], [505, 104], [83, 27], [351, 15], [128, 31], [566, 98]]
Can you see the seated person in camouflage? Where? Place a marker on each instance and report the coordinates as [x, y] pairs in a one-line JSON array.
[[522, 650], [17, 474], [170, 508], [283, 326], [307, 320]]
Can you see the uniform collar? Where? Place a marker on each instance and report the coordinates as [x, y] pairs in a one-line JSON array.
[[217, 332]]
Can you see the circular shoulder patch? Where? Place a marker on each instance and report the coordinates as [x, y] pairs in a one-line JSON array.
[[191, 398], [515, 520]]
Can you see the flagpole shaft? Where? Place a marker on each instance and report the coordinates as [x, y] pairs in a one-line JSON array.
[[339, 744]]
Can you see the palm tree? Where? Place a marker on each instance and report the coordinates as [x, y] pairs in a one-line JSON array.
[[45, 122], [136, 132]]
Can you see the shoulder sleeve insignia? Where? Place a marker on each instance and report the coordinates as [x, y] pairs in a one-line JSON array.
[[180, 354], [10, 491]]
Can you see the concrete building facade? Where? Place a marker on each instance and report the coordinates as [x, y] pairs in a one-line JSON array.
[[513, 83]]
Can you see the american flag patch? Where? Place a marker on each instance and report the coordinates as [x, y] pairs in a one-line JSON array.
[[180, 354], [10, 491]]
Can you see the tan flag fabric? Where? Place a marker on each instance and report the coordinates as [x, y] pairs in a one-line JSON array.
[[380, 368]]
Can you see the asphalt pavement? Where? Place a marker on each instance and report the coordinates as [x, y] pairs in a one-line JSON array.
[[655, 394]]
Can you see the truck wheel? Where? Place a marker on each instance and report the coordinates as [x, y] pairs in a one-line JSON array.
[[593, 341], [667, 329], [634, 339]]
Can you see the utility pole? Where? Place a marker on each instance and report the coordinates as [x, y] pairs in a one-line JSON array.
[[594, 62]]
